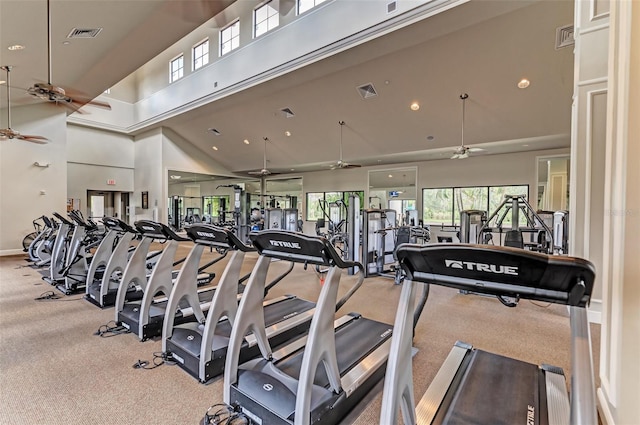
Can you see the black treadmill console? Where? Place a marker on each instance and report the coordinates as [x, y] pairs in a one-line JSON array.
[[150, 229], [210, 235], [501, 271], [298, 248], [117, 224]]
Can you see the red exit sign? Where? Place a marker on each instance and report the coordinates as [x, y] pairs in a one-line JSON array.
[[111, 182]]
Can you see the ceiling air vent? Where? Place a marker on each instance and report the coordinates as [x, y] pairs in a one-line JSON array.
[[84, 33], [391, 7], [287, 112], [367, 91], [564, 36]]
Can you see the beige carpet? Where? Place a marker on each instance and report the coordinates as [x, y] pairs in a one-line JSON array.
[[54, 370]]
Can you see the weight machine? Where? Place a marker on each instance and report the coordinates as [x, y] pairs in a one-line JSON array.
[[541, 235], [381, 236]]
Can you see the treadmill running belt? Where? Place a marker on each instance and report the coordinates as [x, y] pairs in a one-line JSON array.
[[495, 390], [353, 342]]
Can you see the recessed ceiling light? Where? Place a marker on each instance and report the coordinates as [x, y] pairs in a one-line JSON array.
[[287, 133], [525, 145], [16, 47], [390, 175], [246, 141], [215, 148], [2, 81], [66, 42], [523, 84], [415, 106], [293, 169]]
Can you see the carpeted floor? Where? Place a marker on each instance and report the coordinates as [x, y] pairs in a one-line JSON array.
[[55, 370]]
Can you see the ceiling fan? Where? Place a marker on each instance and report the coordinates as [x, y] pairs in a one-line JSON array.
[[9, 133], [463, 151], [264, 172], [341, 163], [55, 94]]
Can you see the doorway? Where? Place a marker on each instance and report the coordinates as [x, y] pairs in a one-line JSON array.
[[104, 203]]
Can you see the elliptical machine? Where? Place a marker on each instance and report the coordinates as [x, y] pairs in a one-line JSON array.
[[111, 258]]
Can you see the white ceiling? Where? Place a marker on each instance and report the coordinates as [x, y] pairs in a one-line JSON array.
[[482, 48]]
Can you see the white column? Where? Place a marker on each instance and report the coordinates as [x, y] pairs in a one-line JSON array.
[[619, 393]]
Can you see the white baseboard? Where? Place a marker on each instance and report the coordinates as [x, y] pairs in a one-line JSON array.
[[603, 408], [594, 312], [6, 252]]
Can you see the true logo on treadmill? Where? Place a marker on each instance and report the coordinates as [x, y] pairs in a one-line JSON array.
[[285, 244], [531, 415], [481, 267], [267, 387], [206, 235]]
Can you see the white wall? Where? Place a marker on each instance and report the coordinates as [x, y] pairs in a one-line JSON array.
[[148, 174], [22, 183], [93, 158], [508, 169]]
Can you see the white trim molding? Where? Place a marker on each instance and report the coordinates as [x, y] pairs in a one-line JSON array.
[[7, 252]]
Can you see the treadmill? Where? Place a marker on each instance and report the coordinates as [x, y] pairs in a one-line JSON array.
[[144, 316], [200, 347], [318, 378], [475, 386]]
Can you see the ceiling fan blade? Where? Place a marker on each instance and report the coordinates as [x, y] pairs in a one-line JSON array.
[[9, 133], [34, 139]]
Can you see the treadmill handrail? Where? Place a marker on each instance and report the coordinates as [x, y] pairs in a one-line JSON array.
[[428, 264], [498, 270]]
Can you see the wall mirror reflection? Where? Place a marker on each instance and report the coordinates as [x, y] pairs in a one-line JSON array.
[[553, 183], [224, 200], [394, 189]]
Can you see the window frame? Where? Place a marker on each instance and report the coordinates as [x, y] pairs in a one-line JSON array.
[[342, 195], [180, 70], [453, 220], [222, 42], [194, 58], [269, 4], [316, 3]]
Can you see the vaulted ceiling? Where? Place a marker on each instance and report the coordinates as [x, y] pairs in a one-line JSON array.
[[483, 48]]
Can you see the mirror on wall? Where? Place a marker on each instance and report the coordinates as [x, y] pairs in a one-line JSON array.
[[284, 193], [394, 189], [225, 200], [194, 197], [553, 183]]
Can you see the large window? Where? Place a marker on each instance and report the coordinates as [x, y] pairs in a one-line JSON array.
[[201, 54], [315, 201], [265, 18], [176, 68], [304, 5], [230, 38], [443, 205]]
